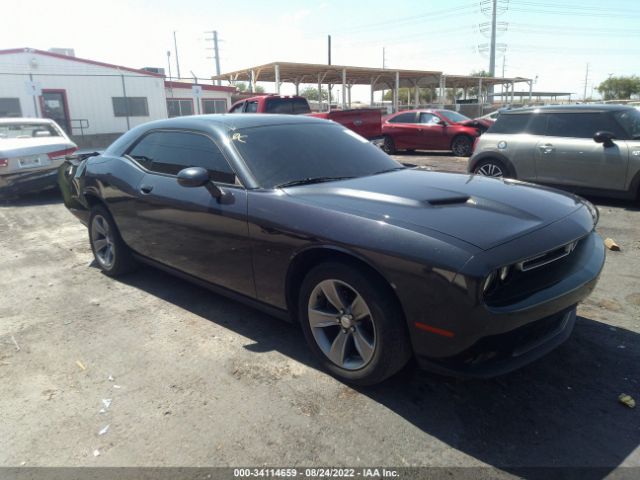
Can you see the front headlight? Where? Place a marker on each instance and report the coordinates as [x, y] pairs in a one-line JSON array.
[[593, 210]]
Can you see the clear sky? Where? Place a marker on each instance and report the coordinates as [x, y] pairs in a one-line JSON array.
[[553, 40]]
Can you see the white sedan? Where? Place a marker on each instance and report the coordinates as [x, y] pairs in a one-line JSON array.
[[31, 150]]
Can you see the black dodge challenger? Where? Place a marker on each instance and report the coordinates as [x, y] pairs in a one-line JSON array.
[[308, 221]]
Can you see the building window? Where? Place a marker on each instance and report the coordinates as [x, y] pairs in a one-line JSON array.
[[130, 106], [10, 107], [178, 107], [210, 105]]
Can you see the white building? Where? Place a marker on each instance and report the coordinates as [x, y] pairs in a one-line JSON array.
[[96, 101]]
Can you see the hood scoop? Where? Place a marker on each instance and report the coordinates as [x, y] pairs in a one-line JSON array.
[[448, 200]]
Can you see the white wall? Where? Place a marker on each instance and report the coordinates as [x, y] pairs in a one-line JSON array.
[[188, 93], [89, 89]]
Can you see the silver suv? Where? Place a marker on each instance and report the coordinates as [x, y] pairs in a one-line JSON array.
[[592, 149]]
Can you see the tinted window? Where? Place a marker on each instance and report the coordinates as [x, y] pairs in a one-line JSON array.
[[10, 107], [533, 123], [237, 108], [287, 105], [282, 153], [130, 106], [579, 125], [170, 152], [630, 122], [429, 118], [404, 118], [252, 107], [210, 105]]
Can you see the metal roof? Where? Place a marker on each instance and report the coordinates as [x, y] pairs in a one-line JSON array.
[[380, 78]]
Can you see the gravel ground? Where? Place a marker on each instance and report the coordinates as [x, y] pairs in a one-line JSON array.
[[195, 379]]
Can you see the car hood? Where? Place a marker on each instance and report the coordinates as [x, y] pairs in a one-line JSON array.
[[481, 211]]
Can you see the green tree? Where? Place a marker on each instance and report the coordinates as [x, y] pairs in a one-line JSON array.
[[243, 87], [311, 93], [620, 87]]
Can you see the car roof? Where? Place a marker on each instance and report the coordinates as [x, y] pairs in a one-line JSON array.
[[582, 108], [24, 120], [232, 121]]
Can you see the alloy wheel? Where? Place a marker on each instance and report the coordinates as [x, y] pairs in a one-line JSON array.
[[102, 239], [490, 170], [341, 324]]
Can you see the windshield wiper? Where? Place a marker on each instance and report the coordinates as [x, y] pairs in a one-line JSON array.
[[310, 180], [389, 170]]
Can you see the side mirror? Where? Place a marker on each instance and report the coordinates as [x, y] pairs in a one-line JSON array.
[[605, 138], [442, 123], [198, 177], [193, 177]]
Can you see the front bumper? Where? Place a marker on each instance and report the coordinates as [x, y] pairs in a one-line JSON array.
[[487, 340], [26, 182], [500, 354]]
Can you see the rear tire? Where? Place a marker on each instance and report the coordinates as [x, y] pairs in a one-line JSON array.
[[462, 146], [112, 255], [492, 167], [363, 339], [389, 146]]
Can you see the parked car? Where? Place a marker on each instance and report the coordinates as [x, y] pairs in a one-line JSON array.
[[306, 220], [431, 130], [593, 149], [31, 150], [364, 121]]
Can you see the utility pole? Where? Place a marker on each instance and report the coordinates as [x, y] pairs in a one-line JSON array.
[[492, 53], [329, 63], [175, 45], [586, 80], [216, 52], [504, 59]]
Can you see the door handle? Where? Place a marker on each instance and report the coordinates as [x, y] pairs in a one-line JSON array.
[[146, 189], [546, 148]]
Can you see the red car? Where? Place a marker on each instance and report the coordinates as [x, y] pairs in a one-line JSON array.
[[431, 130]]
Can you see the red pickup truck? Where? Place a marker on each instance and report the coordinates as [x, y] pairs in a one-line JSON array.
[[366, 122]]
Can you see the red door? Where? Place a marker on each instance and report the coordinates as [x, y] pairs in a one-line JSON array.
[[431, 135]]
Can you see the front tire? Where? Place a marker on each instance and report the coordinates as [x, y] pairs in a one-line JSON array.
[[389, 146], [352, 324], [462, 146], [492, 167], [112, 255]]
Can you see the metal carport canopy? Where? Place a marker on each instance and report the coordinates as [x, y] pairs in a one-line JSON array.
[[376, 78]]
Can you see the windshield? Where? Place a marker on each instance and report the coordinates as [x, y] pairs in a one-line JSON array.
[[281, 154], [27, 130], [630, 121], [453, 117]]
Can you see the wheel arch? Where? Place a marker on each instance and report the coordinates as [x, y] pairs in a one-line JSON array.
[[307, 259], [473, 162]]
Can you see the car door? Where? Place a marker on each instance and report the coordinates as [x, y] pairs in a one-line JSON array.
[[187, 228], [568, 155], [403, 129], [432, 132]]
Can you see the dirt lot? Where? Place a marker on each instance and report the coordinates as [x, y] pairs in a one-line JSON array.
[[195, 379]]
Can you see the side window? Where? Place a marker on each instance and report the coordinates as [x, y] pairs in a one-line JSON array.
[[510, 124], [409, 117], [428, 118], [170, 152], [579, 125], [237, 108], [252, 107]]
